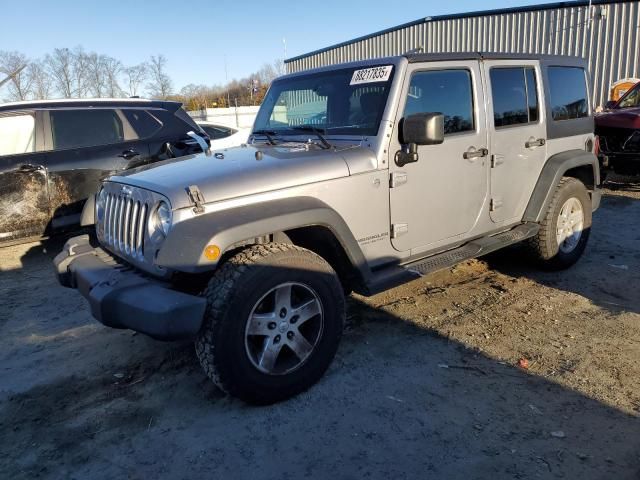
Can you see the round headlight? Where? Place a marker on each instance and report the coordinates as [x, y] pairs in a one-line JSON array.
[[162, 218], [101, 201]]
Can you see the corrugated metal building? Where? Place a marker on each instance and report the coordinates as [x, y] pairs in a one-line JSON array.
[[606, 33]]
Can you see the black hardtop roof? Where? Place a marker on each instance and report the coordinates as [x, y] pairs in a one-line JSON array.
[[89, 103], [440, 57], [560, 60]]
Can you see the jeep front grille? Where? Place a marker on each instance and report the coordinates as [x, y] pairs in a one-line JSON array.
[[619, 140], [124, 224]]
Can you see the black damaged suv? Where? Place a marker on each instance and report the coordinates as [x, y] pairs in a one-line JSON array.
[[53, 155]]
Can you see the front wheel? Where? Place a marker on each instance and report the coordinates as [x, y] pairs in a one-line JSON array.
[[565, 229], [275, 315]]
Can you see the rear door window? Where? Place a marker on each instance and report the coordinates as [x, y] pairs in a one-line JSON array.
[[515, 96], [449, 92], [85, 128], [568, 91], [17, 134], [143, 123]]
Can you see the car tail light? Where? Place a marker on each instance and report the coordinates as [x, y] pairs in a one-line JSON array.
[[595, 145]]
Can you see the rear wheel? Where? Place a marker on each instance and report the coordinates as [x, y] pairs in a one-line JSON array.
[[274, 320], [565, 229]]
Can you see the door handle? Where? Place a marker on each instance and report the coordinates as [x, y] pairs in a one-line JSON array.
[[473, 153], [129, 154], [539, 142], [28, 168]]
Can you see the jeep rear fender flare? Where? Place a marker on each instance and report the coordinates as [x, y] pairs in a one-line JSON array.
[[554, 169], [183, 250]]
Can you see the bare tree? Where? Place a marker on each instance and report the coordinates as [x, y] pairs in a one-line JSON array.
[[42, 82], [20, 85], [197, 97], [160, 85], [112, 68], [80, 71], [69, 70], [60, 66], [96, 82], [74, 72], [279, 67], [134, 78], [266, 74]]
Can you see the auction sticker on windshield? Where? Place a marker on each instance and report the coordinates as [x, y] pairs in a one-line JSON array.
[[370, 75]]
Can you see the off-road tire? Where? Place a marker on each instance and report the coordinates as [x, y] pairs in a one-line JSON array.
[[232, 293], [544, 246]]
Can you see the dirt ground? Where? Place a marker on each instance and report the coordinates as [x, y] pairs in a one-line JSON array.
[[425, 383]]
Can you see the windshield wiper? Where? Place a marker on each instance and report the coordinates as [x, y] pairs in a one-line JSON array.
[[267, 133], [311, 128]]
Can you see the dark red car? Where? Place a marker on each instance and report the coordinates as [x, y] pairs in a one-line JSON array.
[[618, 130]]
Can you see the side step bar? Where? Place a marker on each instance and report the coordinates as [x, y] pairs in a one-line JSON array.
[[399, 274]]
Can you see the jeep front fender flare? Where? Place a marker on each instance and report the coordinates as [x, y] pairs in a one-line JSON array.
[[554, 169], [183, 250]]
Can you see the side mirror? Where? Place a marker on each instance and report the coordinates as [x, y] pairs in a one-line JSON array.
[[423, 129], [610, 104], [419, 129]]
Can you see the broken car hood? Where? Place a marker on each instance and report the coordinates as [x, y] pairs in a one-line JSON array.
[[246, 170], [619, 118]]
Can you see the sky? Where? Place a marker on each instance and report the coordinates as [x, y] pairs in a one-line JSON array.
[[196, 37]]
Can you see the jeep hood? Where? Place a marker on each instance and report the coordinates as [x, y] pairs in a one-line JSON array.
[[242, 171], [619, 118]]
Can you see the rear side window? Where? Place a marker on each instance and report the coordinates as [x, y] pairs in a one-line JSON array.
[[568, 92], [17, 134], [144, 124], [184, 116], [515, 96], [85, 128], [449, 92]]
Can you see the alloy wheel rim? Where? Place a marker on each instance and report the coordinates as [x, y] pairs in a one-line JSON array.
[[570, 225], [283, 328]]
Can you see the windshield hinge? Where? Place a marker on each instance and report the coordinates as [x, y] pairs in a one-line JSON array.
[[196, 198]]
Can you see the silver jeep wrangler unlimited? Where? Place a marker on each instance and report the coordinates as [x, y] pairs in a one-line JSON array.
[[357, 177]]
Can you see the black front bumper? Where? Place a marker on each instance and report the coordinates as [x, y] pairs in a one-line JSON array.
[[120, 297], [620, 161]]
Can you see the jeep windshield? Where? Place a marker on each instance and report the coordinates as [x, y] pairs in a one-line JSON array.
[[347, 101]]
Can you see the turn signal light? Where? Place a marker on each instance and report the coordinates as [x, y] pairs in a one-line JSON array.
[[212, 252]]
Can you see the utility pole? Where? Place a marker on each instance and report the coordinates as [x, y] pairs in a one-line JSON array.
[[237, 119], [226, 79]]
